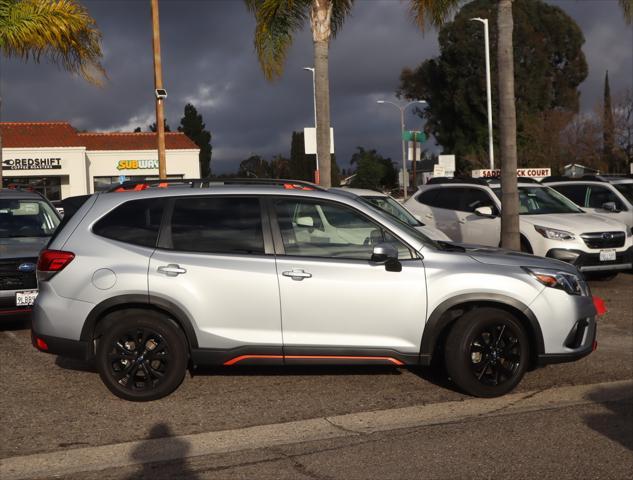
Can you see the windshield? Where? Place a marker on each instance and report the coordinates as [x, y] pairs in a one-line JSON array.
[[393, 208], [542, 201], [26, 218], [625, 189]]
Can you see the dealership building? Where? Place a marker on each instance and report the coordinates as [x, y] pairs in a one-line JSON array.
[[59, 161]]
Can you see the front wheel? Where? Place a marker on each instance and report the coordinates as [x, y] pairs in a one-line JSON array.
[[487, 352], [142, 355]]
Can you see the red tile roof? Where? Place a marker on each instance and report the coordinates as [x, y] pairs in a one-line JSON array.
[[38, 135], [62, 134], [134, 141]]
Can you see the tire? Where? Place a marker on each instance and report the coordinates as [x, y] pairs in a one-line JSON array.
[[141, 375], [487, 352]]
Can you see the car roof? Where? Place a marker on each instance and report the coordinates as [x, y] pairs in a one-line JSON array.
[[19, 194], [361, 192]]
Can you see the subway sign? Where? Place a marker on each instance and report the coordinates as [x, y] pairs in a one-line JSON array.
[[137, 165], [38, 163], [521, 172]]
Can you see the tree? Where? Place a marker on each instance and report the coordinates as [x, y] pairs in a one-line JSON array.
[[302, 166], [137, 130], [62, 32], [624, 128], [373, 171], [549, 67], [191, 124], [280, 167], [254, 166], [152, 127], [276, 23], [608, 128]]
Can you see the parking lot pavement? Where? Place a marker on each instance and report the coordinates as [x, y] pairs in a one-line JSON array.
[[50, 404]]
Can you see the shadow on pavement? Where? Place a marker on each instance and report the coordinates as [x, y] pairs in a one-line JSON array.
[[176, 448], [15, 322], [68, 363], [617, 424]]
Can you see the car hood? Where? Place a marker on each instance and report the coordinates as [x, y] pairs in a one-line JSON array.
[[22, 247], [510, 258], [575, 222]]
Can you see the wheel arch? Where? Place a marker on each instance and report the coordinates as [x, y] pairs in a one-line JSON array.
[[138, 301], [445, 315]]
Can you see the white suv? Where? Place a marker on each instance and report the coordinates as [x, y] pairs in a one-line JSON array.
[[611, 197], [468, 211]]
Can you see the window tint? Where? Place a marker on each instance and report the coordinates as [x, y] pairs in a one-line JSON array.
[[576, 193], [471, 199], [135, 222], [330, 231], [463, 199], [217, 225], [601, 195], [428, 197]]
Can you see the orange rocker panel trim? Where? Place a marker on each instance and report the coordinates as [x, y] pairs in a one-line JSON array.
[[235, 360]]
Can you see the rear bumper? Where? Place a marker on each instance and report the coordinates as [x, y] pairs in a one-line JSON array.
[[7, 304], [590, 262], [62, 346]]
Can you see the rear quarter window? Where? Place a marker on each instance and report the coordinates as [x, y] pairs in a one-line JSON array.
[[136, 222]]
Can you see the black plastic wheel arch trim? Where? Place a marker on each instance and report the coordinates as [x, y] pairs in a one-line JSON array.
[[139, 301], [437, 321]]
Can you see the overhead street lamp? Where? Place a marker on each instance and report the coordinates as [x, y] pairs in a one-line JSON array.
[[488, 91], [402, 108], [317, 180]]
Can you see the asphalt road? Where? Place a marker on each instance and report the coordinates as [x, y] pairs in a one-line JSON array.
[[56, 406]]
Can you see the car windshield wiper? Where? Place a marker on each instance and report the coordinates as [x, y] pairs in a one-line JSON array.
[[450, 247]]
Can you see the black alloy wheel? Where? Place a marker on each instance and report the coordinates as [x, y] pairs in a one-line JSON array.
[[141, 355], [487, 352]]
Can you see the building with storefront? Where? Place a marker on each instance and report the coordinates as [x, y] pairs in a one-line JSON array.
[[59, 161]]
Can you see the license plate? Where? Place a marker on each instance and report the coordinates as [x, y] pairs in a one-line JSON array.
[[607, 255], [26, 298]]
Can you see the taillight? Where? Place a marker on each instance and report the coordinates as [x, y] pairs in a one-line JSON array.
[[54, 260]]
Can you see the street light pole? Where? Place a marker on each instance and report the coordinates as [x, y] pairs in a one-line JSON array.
[[402, 108], [317, 178], [488, 90], [158, 85]]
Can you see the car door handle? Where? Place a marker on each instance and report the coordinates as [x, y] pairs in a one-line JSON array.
[[171, 270], [297, 274]]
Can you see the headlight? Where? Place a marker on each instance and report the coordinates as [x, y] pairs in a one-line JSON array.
[[569, 282], [554, 234]]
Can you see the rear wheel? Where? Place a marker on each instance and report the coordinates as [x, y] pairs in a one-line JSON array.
[[487, 352], [142, 355]]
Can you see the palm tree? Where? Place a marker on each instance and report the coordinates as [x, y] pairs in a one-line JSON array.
[[276, 22], [61, 31]]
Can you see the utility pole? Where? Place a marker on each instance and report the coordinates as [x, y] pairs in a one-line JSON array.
[[158, 85], [491, 154], [415, 160]]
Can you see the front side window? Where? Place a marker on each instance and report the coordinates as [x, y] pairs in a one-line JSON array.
[[625, 189], [598, 196], [393, 208], [542, 201], [322, 229], [212, 224], [26, 218], [136, 222]]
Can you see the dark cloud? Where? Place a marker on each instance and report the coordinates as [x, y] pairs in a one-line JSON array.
[[208, 59]]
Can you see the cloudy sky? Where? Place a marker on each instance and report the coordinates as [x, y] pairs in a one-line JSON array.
[[208, 60]]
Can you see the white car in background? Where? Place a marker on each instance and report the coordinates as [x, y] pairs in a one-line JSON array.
[[391, 206], [611, 197], [551, 225]]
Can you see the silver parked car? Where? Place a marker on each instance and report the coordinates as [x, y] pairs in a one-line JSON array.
[[150, 282]]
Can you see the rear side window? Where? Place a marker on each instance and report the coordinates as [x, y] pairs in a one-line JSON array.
[[428, 197], [136, 222], [576, 193], [230, 225]]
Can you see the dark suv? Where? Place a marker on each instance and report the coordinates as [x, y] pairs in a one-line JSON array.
[[27, 222]]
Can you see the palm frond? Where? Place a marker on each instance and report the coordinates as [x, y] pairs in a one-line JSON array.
[[340, 11], [60, 30], [627, 9], [276, 22], [432, 12]]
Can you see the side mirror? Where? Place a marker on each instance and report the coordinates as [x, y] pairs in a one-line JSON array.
[[484, 212], [610, 207], [307, 222], [386, 254]]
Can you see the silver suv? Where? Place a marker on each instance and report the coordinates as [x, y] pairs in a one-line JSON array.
[[148, 283]]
